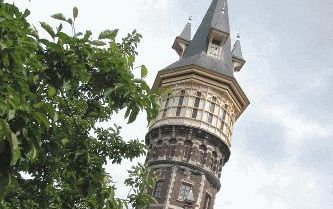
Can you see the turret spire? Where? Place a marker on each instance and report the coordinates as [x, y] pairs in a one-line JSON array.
[[237, 55], [183, 40]]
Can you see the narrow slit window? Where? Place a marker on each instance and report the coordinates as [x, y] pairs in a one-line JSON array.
[[224, 114], [211, 110], [180, 103], [166, 106], [196, 105]]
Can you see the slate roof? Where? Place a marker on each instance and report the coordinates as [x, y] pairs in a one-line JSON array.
[[196, 53]]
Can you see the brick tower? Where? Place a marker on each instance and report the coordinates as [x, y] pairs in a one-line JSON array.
[[190, 139]]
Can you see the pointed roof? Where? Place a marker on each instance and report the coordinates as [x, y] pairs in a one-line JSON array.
[[186, 33], [216, 18], [237, 51]]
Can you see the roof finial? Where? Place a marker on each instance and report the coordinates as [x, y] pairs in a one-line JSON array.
[[190, 18], [238, 36]]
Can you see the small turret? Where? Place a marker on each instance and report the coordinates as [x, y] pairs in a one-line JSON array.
[[237, 56], [183, 40]]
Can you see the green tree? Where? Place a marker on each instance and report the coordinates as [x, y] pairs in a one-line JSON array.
[[53, 93]]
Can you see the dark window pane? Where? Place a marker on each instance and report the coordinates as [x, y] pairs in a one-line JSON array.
[[210, 118], [179, 110], [180, 103], [164, 113], [183, 192], [197, 99], [195, 113], [158, 189]]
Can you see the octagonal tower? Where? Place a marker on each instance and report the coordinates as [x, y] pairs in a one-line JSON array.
[[191, 137]]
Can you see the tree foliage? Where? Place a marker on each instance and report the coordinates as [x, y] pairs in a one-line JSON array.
[[53, 93]]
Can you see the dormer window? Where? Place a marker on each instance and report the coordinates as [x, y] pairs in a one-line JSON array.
[[215, 48]]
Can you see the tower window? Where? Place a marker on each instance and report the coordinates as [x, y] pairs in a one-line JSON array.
[[158, 189], [180, 103], [184, 191], [166, 106], [207, 201], [196, 105], [211, 110], [224, 115]]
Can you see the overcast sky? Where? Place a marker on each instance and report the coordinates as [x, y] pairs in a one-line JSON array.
[[282, 153]]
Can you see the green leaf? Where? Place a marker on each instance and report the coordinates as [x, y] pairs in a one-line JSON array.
[[55, 117], [3, 106], [70, 21], [128, 111], [108, 34], [59, 28], [75, 12], [98, 43], [32, 154], [11, 114], [51, 91], [134, 114], [64, 141], [48, 29], [87, 35], [15, 151], [26, 13], [144, 71], [59, 16], [41, 119]]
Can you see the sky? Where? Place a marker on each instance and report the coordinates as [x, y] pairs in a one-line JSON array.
[[282, 152]]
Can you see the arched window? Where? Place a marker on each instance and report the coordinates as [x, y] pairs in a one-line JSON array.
[[180, 103], [188, 150], [202, 154], [172, 147], [166, 105], [196, 104], [211, 110], [224, 115]]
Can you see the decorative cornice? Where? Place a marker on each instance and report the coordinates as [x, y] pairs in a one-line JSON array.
[[203, 135]]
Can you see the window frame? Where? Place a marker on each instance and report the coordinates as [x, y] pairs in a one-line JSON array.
[[157, 193], [183, 191]]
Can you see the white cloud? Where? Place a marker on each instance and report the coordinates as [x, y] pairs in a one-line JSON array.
[[247, 183]]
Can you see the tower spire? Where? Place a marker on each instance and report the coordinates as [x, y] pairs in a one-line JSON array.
[[211, 46], [190, 139]]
